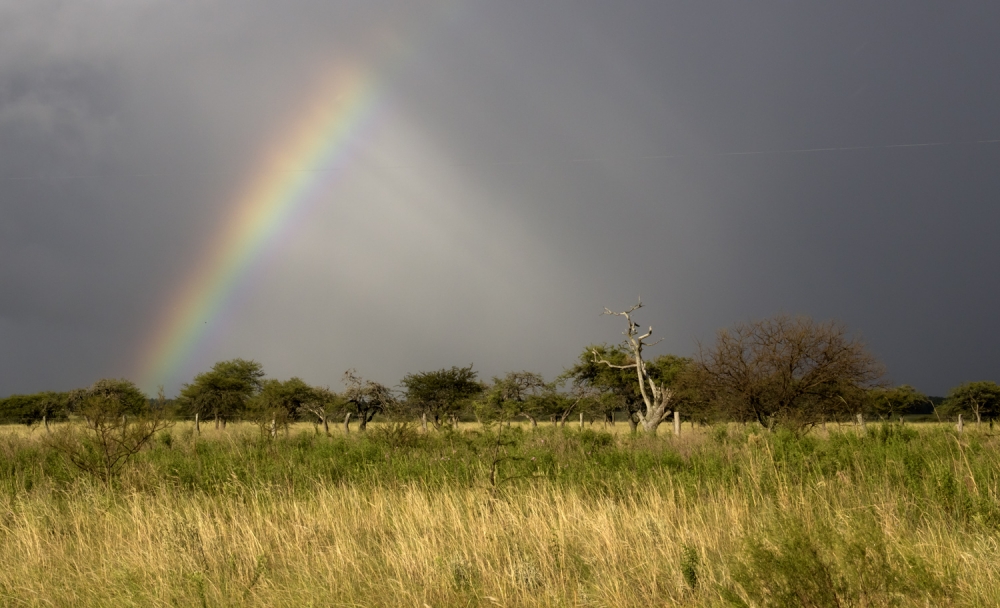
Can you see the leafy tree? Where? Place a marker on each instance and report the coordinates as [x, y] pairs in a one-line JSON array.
[[654, 384], [442, 393], [982, 399], [559, 406], [614, 388], [323, 403], [224, 391], [895, 401], [110, 397], [35, 408], [516, 394], [616, 381], [367, 398], [278, 403], [792, 371]]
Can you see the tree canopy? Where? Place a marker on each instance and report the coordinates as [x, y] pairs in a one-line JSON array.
[[981, 399], [785, 370], [441, 394], [225, 390], [618, 384]]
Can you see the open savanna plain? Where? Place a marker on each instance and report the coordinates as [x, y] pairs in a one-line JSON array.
[[720, 516]]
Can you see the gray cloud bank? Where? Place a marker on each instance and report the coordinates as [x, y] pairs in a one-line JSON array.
[[530, 164]]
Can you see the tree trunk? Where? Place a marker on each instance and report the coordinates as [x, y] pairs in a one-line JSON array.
[[534, 423], [223, 424], [633, 424], [326, 426], [197, 424], [677, 423], [581, 421], [347, 423], [274, 428], [959, 426], [861, 422], [565, 417], [979, 418], [423, 421], [45, 423], [217, 422]]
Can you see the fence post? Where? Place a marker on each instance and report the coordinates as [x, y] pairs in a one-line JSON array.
[[677, 423]]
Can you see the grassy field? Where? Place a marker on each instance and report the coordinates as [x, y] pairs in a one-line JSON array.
[[721, 516]]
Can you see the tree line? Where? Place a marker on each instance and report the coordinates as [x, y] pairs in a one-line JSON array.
[[784, 371]]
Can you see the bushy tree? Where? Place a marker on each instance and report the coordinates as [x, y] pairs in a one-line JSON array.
[[653, 380], [225, 391], [614, 388], [278, 403], [323, 403], [981, 399], [118, 423], [367, 398], [35, 408], [892, 402], [791, 371], [610, 370], [516, 394], [441, 394]]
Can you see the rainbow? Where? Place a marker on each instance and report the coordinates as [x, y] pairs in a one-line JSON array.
[[294, 171]]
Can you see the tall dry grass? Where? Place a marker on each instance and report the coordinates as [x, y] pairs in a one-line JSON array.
[[747, 522]]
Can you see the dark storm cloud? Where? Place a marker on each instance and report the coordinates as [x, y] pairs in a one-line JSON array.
[[533, 163]]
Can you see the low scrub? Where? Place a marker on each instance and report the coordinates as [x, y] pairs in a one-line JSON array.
[[721, 516]]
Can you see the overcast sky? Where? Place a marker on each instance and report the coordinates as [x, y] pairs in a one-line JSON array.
[[526, 164]]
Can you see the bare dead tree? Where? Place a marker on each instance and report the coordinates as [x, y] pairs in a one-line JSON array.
[[656, 396]]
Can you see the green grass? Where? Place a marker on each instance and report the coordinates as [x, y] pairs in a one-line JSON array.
[[721, 516]]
